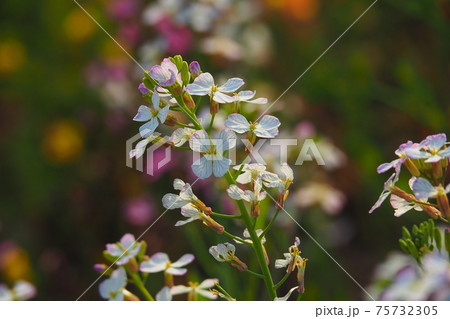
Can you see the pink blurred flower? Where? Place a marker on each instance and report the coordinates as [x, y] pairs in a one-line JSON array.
[[139, 211], [178, 37], [123, 9]]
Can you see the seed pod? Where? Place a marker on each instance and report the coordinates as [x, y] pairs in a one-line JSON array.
[[430, 225], [415, 230], [447, 239], [438, 238], [403, 246]]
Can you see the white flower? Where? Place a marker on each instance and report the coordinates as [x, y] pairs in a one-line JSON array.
[[154, 116], [141, 146], [226, 253], [204, 85], [288, 257], [282, 181], [246, 96], [181, 136], [213, 160], [127, 249], [250, 172], [423, 189], [249, 196], [173, 201], [161, 262], [293, 260], [195, 289], [113, 287], [285, 298], [266, 128], [21, 290], [164, 294]]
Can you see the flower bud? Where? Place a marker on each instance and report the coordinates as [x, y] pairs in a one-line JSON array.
[[100, 268], [281, 199], [143, 89], [170, 120], [238, 264], [447, 239], [442, 201], [211, 223], [187, 99], [255, 208], [133, 266], [194, 68], [214, 107], [431, 211]]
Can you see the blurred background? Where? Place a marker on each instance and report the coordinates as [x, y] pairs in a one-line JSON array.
[[68, 94]]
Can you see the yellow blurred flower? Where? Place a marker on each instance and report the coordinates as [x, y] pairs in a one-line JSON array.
[[15, 263], [63, 141], [78, 27], [301, 10], [12, 55]]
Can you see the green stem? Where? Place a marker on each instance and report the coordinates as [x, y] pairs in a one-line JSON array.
[[188, 113], [281, 281], [254, 273], [197, 104], [224, 215], [184, 125], [140, 285], [257, 245], [236, 238], [211, 122], [270, 224]]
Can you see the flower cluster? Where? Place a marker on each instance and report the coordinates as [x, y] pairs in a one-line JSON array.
[[427, 162], [133, 265], [171, 88]]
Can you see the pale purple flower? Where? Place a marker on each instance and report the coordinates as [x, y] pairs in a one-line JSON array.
[[266, 128], [250, 172], [204, 85], [402, 206], [246, 96], [194, 289], [423, 189], [154, 116], [125, 250], [139, 150], [113, 287], [401, 153], [431, 149], [213, 160], [161, 262], [386, 191], [164, 74]]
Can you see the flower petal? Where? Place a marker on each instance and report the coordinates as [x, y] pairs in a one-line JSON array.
[[148, 128], [423, 189], [184, 260], [164, 294], [267, 127], [176, 271], [219, 97], [144, 114], [127, 241], [245, 95], [208, 283], [235, 192], [202, 168], [237, 123], [227, 140], [114, 250], [220, 167], [199, 142], [260, 100], [231, 85], [173, 201], [149, 267], [162, 114], [180, 289], [206, 293], [159, 258]]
